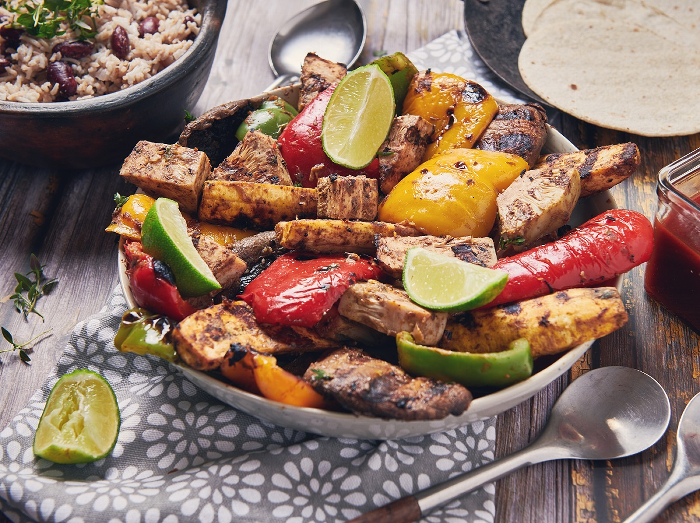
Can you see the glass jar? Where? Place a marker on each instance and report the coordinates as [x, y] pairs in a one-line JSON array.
[[672, 274]]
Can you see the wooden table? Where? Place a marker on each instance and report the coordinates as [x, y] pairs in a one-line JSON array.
[[61, 216]]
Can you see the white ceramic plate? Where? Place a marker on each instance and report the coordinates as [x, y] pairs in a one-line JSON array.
[[337, 424]]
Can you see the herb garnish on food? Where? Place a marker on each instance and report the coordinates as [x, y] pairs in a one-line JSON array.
[[31, 287], [43, 18], [16, 346], [119, 201]]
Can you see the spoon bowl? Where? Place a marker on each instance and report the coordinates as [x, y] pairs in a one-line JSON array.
[[611, 412], [334, 29]]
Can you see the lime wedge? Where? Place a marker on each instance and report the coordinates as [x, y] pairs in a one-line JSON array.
[[358, 117], [80, 422], [164, 236], [439, 282]]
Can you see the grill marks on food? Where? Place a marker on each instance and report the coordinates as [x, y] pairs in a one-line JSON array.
[[369, 386]]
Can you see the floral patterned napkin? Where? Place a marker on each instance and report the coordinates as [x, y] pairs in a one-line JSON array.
[[184, 456]]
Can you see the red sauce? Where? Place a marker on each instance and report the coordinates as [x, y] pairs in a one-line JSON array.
[[672, 274]]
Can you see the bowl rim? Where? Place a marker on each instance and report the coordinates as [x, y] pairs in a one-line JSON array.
[[212, 11]]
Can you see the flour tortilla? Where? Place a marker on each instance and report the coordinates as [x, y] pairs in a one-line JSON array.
[[669, 19], [615, 75], [532, 9]]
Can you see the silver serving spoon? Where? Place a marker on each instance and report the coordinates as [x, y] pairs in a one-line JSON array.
[[334, 29], [685, 476], [607, 413]]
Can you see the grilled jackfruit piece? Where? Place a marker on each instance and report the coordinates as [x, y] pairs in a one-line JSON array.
[[171, 171], [536, 204], [391, 251], [317, 74], [254, 205], [203, 338], [226, 266], [403, 149], [552, 323], [390, 310], [599, 168], [255, 159], [328, 236], [347, 198]]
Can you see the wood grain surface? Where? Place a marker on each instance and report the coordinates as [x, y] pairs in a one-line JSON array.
[[61, 216]]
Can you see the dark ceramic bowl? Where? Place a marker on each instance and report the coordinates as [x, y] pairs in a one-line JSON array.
[[102, 130]]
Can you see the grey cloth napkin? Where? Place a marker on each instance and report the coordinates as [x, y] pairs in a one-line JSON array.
[[183, 456]]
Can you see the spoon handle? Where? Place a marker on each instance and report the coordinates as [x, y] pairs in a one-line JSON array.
[[285, 79], [674, 489]]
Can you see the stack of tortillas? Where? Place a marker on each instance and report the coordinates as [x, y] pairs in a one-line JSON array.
[[630, 65]]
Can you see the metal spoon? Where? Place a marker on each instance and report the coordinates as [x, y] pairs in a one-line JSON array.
[[607, 413], [685, 476], [334, 29]]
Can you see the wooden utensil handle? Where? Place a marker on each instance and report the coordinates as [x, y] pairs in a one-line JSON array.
[[403, 510]]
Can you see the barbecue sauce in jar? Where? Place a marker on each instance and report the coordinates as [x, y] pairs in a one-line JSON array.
[[672, 274]]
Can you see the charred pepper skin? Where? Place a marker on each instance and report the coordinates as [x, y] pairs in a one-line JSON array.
[[606, 246], [493, 369], [143, 332], [298, 289], [151, 290]]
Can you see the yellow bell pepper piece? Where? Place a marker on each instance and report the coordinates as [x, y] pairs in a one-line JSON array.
[[453, 193], [460, 110], [128, 219]]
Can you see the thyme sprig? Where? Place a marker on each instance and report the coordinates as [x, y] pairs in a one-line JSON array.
[[45, 18], [31, 287], [16, 346]]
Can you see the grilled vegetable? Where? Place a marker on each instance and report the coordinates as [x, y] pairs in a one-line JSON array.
[[599, 168], [460, 109], [516, 129], [143, 332], [128, 218], [454, 193], [493, 369], [366, 385], [272, 117], [297, 289], [153, 284], [552, 323], [254, 205], [390, 310], [260, 374], [301, 146], [326, 236], [603, 247]]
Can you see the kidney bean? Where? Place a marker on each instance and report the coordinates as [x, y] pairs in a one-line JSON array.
[[189, 19], [120, 42], [73, 49], [61, 73], [11, 35], [148, 26]]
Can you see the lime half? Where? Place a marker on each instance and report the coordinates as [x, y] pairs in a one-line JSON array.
[[439, 282], [80, 422], [164, 236], [358, 117]]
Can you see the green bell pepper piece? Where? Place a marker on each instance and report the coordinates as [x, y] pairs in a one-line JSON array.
[[400, 71], [271, 119], [493, 369], [145, 333]]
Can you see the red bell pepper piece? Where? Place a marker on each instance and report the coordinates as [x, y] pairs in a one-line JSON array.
[[150, 288], [301, 147], [298, 289], [602, 248]]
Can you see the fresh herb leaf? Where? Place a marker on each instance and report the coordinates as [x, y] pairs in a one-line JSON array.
[[49, 18], [20, 347], [31, 287], [189, 117], [505, 242], [320, 374], [119, 201]]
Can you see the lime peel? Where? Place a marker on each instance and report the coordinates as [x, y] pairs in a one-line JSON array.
[[440, 282], [358, 117], [80, 422], [164, 236]]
